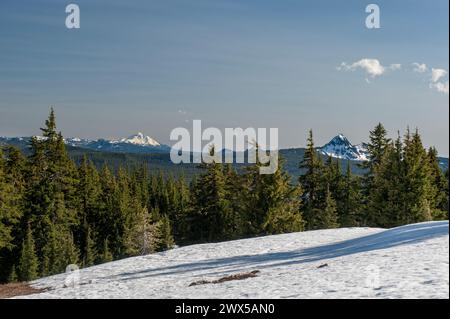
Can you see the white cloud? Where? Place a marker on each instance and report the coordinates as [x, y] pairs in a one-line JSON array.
[[441, 87], [437, 83], [437, 74], [372, 67], [420, 67]]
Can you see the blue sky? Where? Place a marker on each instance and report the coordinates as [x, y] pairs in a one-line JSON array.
[[152, 66]]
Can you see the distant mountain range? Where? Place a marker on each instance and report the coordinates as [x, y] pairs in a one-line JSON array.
[[141, 148], [138, 143]]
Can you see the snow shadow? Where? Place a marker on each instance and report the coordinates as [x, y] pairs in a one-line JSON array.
[[405, 235]]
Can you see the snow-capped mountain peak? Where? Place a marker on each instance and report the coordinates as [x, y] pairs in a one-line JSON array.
[[340, 139], [340, 147], [140, 139], [138, 143]]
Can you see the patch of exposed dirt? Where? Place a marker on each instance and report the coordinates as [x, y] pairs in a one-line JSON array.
[[17, 289], [241, 276]]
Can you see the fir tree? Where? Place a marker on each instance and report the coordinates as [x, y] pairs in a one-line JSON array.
[[9, 209], [106, 255], [163, 234], [51, 201], [88, 193], [90, 250], [28, 263], [210, 210], [377, 145], [402, 190], [350, 205], [71, 252], [12, 191], [311, 181], [417, 182], [180, 223], [282, 201], [13, 277], [385, 200], [437, 195], [445, 190], [109, 212], [235, 193], [141, 235], [328, 217]]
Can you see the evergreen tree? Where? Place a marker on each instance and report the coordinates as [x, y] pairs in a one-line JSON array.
[[88, 193], [180, 223], [13, 277], [9, 209], [235, 193], [51, 201], [71, 253], [124, 213], [106, 255], [253, 201], [12, 190], [210, 208], [418, 191], [385, 199], [141, 235], [350, 206], [282, 203], [163, 234], [109, 213], [327, 217], [59, 252], [402, 190], [90, 250], [445, 190], [439, 184], [377, 145], [311, 181], [28, 263]]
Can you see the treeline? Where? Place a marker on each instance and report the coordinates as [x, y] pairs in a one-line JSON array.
[[54, 213], [403, 184]]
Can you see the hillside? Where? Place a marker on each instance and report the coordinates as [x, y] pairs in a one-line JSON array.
[[405, 262]]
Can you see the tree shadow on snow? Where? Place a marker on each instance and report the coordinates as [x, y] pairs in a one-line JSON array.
[[405, 235]]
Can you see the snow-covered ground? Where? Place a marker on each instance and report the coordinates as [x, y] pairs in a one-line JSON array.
[[406, 262]]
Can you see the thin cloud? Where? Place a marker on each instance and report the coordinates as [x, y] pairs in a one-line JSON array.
[[420, 67], [395, 67]]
